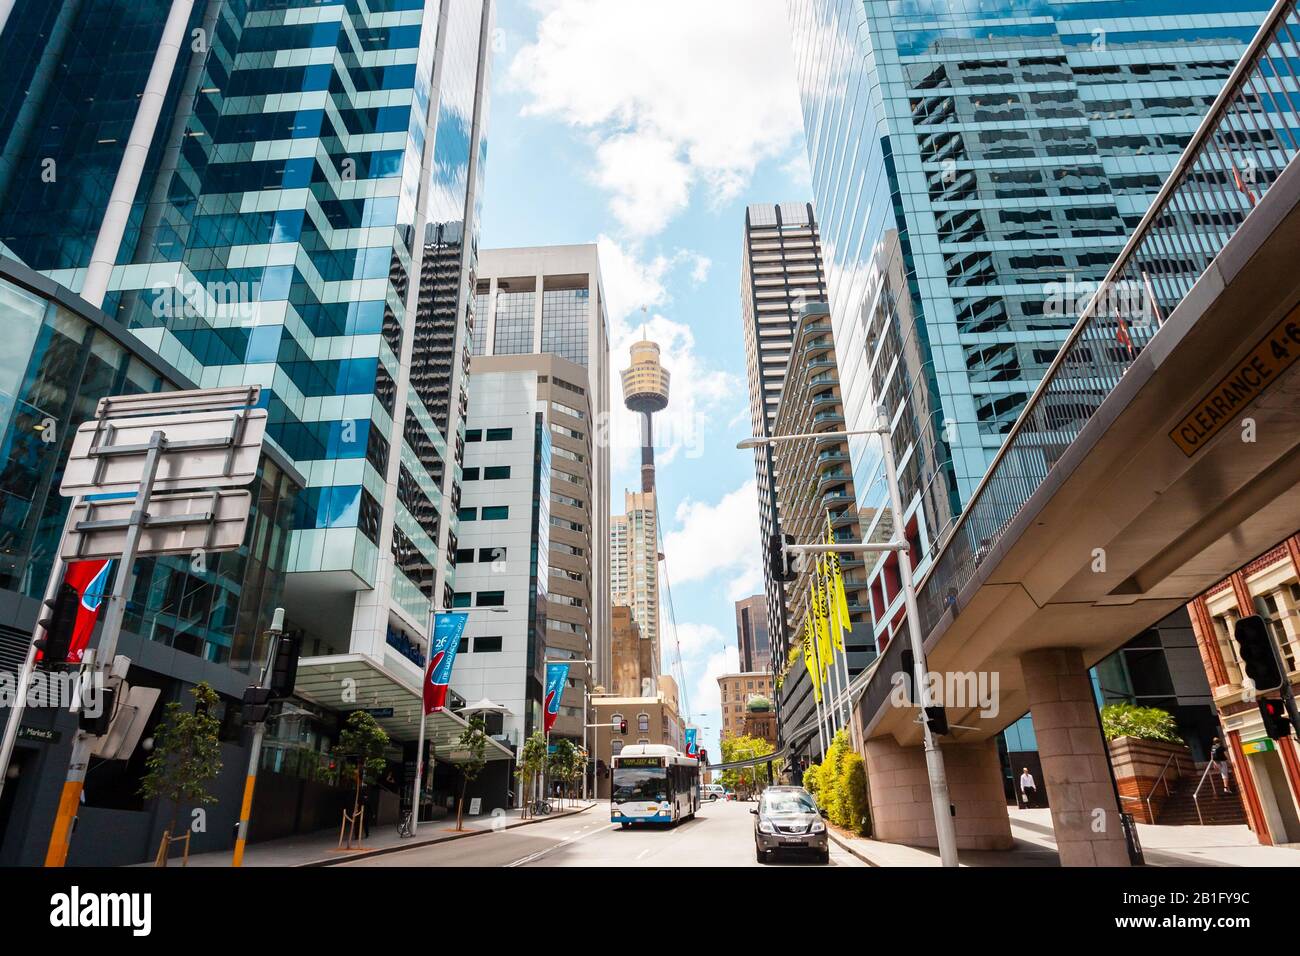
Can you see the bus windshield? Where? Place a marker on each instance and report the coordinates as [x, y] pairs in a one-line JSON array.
[[640, 783]]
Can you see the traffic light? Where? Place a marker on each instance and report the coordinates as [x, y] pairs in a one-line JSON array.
[[622, 726], [937, 718], [58, 620], [779, 562], [284, 670], [1277, 722], [256, 705], [1255, 646], [98, 724]]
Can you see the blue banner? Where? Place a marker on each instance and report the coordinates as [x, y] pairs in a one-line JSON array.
[[556, 675], [692, 742], [447, 630]]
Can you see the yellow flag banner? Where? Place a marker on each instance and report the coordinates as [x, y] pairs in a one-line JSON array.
[[839, 597], [824, 651], [809, 658]]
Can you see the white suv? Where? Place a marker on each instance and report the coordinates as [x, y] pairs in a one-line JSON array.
[[712, 791]]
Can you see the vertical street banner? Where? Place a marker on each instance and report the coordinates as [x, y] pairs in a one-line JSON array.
[[90, 580], [556, 675], [447, 630], [692, 742]]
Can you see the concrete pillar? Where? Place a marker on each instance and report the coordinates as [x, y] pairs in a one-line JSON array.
[[1085, 814], [899, 790]]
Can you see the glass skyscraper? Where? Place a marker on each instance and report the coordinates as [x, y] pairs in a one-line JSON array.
[[293, 201], [976, 163]]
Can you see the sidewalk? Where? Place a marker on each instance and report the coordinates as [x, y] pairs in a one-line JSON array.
[[321, 848], [1035, 845]]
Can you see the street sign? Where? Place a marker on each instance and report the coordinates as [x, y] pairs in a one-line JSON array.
[[1261, 746], [39, 735], [185, 523], [200, 450]]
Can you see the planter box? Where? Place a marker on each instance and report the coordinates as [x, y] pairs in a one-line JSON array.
[[1138, 764]]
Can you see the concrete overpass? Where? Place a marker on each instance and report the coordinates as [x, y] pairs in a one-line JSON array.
[[1151, 463]]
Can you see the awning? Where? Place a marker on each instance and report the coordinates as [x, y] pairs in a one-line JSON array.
[[393, 703]]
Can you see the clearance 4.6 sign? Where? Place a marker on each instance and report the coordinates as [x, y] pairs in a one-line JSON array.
[[1260, 368]]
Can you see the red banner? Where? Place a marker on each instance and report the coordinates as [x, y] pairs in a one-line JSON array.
[[90, 579]]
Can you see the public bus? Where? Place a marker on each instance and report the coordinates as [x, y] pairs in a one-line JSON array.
[[653, 783]]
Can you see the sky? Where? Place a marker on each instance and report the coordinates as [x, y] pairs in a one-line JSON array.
[[647, 128]]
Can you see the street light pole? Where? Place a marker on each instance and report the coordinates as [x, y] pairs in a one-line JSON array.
[[546, 767], [945, 829]]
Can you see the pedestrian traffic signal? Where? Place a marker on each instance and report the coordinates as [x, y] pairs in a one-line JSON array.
[[937, 719], [779, 560], [1255, 646], [284, 670], [256, 705], [97, 722], [58, 621], [1277, 722]]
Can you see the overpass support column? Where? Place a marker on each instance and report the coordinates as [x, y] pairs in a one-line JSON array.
[[1085, 815], [899, 789]]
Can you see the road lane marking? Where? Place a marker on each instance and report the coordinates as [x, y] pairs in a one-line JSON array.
[[532, 857]]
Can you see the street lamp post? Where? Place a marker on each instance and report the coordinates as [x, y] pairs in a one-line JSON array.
[[419, 747], [945, 830], [546, 767]]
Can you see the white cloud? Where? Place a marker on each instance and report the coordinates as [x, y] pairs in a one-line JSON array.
[[676, 94], [700, 272], [718, 540]]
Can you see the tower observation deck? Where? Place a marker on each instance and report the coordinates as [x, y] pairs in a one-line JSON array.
[[645, 391]]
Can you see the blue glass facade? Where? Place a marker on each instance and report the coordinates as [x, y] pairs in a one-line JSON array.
[[973, 164], [306, 219]]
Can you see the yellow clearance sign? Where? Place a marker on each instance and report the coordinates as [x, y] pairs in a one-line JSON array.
[[1260, 368]]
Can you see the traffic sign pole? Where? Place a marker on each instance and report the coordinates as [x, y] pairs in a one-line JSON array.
[[29, 662], [255, 756], [83, 743]]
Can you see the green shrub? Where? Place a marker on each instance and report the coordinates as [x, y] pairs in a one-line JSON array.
[[1145, 723], [810, 779], [839, 783]]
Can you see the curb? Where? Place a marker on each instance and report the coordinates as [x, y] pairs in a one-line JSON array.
[[847, 846], [401, 847]]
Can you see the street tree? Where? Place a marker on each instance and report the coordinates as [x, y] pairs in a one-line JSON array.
[[186, 754], [363, 743], [532, 761], [746, 780], [473, 741]]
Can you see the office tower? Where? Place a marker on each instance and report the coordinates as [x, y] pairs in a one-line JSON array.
[[781, 270], [752, 640], [284, 194], [972, 171], [510, 554], [546, 304], [816, 493], [634, 559], [645, 391]]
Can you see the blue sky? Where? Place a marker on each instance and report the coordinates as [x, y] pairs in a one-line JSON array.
[[648, 128]]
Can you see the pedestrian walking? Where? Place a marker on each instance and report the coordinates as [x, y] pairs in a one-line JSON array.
[[1028, 789], [1219, 758]]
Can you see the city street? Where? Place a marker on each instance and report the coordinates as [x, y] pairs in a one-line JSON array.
[[720, 835]]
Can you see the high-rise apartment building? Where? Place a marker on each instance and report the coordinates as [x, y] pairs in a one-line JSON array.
[[781, 271], [634, 563], [974, 167], [544, 308], [752, 640], [284, 194], [816, 494]]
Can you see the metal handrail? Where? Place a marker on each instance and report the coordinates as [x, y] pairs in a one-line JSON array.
[[1253, 124], [1196, 794], [1164, 770]]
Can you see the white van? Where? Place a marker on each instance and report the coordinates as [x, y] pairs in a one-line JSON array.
[[712, 791]]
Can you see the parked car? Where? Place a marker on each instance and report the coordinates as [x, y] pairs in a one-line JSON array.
[[712, 791], [786, 819]]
